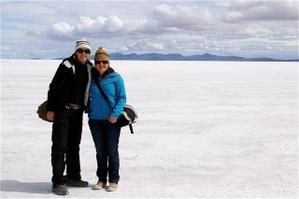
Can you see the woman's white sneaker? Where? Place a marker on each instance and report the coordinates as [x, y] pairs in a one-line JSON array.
[[100, 185], [112, 187]]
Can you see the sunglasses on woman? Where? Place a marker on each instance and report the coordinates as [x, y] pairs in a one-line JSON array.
[[99, 62], [81, 51]]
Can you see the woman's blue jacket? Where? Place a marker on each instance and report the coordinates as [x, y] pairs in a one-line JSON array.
[[113, 86]]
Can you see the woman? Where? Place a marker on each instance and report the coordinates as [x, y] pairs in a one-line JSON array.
[[103, 113]]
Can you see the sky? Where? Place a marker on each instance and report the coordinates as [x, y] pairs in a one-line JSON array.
[[49, 29]]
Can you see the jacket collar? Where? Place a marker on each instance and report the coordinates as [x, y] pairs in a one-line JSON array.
[[73, 61], [107, 72]]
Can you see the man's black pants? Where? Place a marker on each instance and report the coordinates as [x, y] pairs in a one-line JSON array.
[[66, 138]]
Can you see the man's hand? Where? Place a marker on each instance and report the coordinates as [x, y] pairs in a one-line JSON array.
[[50, 116]]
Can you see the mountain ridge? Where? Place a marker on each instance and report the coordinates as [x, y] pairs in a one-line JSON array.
[[196, 57], [179, 57]]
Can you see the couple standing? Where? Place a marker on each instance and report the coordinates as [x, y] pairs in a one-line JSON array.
[[72, 91]]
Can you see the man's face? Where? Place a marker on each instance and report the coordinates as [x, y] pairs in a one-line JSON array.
[[82, 54]]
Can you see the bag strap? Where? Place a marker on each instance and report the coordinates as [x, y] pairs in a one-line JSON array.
[[106, 98], [101, 91], [131, 128]]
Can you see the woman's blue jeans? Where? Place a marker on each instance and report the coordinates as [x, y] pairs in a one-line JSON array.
[[106, 138]]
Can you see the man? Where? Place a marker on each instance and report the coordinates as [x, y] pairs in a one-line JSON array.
[[67, 99]]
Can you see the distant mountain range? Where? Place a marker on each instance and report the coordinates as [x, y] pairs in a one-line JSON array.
[[179, 57]]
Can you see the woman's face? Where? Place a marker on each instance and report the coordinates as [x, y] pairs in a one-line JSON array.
[[101, 66], [82, 55]]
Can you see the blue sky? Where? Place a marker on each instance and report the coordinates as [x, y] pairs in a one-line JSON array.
[[49, 29]]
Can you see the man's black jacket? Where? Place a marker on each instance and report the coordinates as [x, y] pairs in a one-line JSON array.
[[60, 86]]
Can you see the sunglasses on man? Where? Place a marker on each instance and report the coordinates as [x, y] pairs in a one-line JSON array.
[[81, 51], [99, 62]]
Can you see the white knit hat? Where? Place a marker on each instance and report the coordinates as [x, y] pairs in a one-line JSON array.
[[82, 43]]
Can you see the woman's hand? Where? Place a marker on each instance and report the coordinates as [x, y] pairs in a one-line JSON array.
[[50, 116], [112, 120]]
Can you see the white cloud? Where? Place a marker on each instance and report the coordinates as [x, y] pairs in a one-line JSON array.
[[261, 10], [233, 16], [62, 28], [157, 46], [183, 17], [114, 24], [146, 46], [190, 27], [86, 24], [99, 26]]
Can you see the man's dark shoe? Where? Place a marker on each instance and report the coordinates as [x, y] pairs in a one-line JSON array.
[[76, 183], [60, 189]]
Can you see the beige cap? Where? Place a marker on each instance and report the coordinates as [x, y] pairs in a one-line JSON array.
[[101, 55]]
